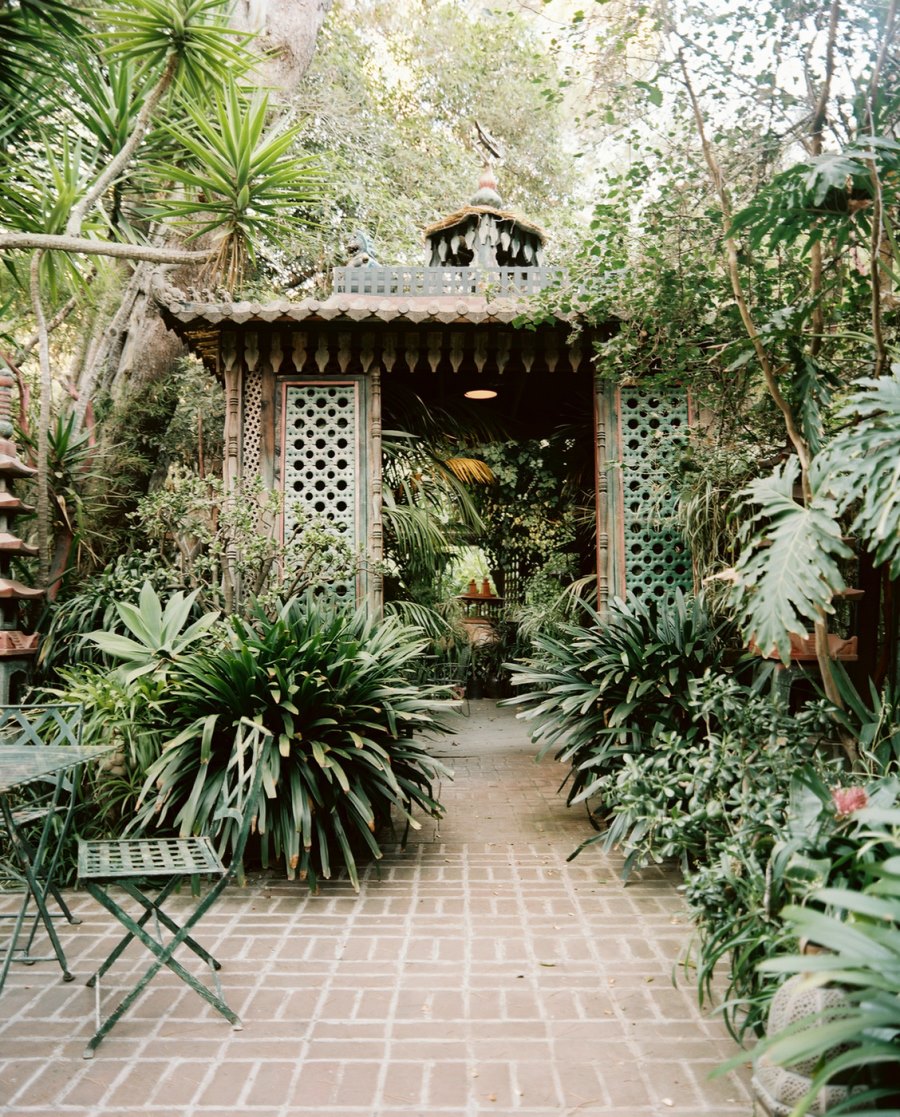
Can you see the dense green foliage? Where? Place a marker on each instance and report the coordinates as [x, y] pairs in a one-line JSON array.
[[599, 693], [332, 695], [719, 775], [856, 925], [391, 99]]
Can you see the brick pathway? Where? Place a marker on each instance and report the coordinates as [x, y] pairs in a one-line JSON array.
[[476, 973]]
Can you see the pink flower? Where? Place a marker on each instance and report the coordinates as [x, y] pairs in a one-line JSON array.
[[848, 799]]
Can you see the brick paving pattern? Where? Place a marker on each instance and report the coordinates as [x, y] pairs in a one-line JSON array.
[[477, 972]]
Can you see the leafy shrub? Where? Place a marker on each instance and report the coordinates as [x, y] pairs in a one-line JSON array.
[[749, 809], [124, 713], [874, 721], [600, 693], [684, 794], [717, 801], [214, 544], [330, 692], [858, 925]]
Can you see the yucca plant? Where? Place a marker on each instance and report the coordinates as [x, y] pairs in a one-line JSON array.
[[598, 693], [240, 181], [330, 690]]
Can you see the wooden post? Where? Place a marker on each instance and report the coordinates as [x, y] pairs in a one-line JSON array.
[[374, 575], [230, 368], [600, 480]]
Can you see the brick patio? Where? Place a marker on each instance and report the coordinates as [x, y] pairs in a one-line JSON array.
[[476, 972]]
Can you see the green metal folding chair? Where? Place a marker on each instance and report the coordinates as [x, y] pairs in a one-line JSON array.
[[39, 824], [129, 863]]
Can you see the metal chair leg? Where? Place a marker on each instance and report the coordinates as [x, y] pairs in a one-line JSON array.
[[163, 955]]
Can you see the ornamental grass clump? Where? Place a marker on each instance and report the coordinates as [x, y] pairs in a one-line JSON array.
[[330, 691]]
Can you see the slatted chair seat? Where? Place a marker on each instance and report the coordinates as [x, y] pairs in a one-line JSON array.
[[133, 864], [138, 857]]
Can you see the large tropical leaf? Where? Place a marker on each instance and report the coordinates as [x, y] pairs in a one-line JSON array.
[[820, 198], [861, 467], [788, 572], [812, 387]]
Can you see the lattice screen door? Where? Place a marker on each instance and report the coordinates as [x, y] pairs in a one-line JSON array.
[[324, 461], [642, 433]]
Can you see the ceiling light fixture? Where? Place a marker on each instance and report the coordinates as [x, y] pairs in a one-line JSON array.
[[481, 393]]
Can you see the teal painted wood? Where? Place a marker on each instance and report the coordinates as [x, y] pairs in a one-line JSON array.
[[39, 750], [134, 864], [653, 430], [437, 281], [324, 456]]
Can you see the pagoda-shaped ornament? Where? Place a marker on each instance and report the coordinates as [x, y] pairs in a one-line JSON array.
[[17, 648], [484, 234]]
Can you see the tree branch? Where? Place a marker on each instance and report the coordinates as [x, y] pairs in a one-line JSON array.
[[801, 446], [820, 115], [877, 239], [52, 243], [57, 320], [797, 440], [43, 455], [24, 395], [118, 322]]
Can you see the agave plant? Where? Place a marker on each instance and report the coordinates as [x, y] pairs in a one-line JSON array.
[[158, 634], [330, 691]]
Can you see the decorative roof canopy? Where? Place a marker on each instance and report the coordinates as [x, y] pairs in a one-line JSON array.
[[484, 235]]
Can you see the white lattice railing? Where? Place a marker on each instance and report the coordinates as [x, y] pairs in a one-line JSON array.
[[497, 282]]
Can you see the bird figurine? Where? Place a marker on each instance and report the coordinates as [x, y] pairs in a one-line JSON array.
[[489, 146]]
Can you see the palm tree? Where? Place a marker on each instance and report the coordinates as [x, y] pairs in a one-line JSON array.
[[96, 152]]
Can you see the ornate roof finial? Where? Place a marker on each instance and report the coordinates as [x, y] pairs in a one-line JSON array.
[[359, 251], [486, 194]]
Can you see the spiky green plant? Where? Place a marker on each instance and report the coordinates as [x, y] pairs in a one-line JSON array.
[[239, 180], [331, 692], [597, 693], [858, 1041]]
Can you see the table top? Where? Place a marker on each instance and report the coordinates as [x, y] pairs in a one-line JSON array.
[[22, 764]]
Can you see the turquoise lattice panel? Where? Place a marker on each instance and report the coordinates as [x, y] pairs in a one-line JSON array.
[[654, 427], [321, 462]]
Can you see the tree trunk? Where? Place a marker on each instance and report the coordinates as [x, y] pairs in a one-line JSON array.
[[287, 30]]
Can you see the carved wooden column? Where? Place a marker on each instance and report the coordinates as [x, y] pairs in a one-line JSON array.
[[374, 574], [230, 368], [601, 455]]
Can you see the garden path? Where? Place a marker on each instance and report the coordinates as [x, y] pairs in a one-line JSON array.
[[477, 973]]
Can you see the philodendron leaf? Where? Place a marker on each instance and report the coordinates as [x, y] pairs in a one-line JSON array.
[[861, 467], [788, 571]]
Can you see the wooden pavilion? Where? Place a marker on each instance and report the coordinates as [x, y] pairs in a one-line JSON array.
[[305, 382]]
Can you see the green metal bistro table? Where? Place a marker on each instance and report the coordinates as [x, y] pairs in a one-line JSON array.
[[20, 767]]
